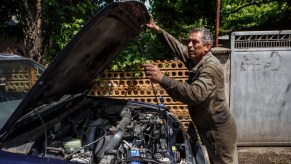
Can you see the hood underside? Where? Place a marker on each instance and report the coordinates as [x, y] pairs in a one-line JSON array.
[[92, 49]]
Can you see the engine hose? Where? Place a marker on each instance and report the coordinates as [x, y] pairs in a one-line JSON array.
[[91, 132], [126, 119], [115, 140]]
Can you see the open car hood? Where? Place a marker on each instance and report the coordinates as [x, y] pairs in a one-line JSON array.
[[92, 49]]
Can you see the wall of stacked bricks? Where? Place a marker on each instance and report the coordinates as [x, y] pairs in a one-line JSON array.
[[22, 79], [124, 85]]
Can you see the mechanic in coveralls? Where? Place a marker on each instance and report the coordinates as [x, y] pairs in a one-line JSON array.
[[204, 92]]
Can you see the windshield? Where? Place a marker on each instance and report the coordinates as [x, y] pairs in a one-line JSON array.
[[16, 78]]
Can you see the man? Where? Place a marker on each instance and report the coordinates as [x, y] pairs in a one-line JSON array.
[[204, 92]]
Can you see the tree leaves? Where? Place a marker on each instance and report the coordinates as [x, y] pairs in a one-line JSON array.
[[254, 15], [61, 20]]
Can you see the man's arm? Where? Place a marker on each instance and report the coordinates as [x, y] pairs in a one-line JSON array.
[[177, 47], [194, 93]]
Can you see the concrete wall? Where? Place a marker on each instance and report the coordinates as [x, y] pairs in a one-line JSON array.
[[223, 54]]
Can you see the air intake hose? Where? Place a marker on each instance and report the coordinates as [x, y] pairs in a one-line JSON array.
[[114, 141]]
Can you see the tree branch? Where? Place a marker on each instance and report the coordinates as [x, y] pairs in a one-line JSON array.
[[247, 5]]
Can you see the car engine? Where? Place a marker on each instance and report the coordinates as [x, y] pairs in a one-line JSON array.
[[110, 134]]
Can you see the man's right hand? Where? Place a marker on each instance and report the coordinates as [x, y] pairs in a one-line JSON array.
[[152, 25], [153, 73]]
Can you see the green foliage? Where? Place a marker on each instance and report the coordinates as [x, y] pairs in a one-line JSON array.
[[145, 48], [71, 18], [253, 15], [61, 20], [179, 17], [64, 22], [131, 58]]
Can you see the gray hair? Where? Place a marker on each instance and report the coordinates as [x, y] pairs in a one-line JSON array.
[[207, 36]]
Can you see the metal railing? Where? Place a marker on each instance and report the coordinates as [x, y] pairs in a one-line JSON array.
[[261, 40]]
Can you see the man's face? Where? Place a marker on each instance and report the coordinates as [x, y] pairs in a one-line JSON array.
[[196, 48]]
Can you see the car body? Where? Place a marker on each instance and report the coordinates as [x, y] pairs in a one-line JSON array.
[[57, 122]]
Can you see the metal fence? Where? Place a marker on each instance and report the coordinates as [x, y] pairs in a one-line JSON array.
[[260, 90]]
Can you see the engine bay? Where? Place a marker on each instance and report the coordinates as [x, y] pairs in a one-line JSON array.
[[112, 134]]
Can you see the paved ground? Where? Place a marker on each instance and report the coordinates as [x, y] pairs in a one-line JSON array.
[[264, 155]]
